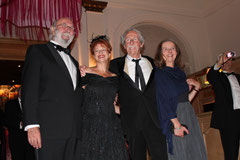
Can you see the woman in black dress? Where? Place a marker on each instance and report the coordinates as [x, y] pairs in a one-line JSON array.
[[102, 136]]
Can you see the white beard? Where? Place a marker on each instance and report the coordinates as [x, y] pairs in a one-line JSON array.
[[62, 42]]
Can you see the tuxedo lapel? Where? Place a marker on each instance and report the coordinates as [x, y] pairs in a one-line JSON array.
[[151, 78], [238, 78], [225, 78], [226, 81], [127, 78], [60, 61], [120, 65]]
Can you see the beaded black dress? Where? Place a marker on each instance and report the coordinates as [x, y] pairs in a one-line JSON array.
[[102, 136]]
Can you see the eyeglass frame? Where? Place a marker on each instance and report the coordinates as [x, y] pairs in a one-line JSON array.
[[64, 26]]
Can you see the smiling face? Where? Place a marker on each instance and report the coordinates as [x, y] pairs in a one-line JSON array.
[[64, 32], [133, 44], [101, 53], [169, 53]]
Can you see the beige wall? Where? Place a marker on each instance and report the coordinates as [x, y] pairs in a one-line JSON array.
[[223, 29], [198, 29]]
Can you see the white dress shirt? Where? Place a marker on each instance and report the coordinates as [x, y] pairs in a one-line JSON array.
[[145, 65]]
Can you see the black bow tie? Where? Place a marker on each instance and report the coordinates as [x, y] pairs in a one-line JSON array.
[[228, 74], [61, 49]]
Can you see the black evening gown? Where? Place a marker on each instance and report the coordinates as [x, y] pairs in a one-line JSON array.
[[102, 136]]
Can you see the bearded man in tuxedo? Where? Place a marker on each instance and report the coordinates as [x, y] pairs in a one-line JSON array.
[[51, 94]]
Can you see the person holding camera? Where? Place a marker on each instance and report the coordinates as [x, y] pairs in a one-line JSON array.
[[226, 112]]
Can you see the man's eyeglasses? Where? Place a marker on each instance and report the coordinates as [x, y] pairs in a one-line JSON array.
[[135, 39], [65, 26]]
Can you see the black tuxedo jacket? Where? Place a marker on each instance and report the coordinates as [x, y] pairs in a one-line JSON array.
[[48, 96], [223, 114], [13, 115], [18, 142], [134, 103]]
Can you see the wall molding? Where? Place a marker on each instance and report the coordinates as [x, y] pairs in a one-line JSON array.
[[166, 9]]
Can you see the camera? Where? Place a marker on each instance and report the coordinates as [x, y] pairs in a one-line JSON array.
[[231, 54]]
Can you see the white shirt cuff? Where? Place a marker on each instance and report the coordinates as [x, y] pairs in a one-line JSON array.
[[31, 126], [216, 67]]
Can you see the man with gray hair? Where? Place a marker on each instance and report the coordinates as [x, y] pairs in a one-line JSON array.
[[137, 99], [51, 94]]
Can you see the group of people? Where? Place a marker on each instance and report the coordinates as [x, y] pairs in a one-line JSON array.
[[117, 109], [69, 117]]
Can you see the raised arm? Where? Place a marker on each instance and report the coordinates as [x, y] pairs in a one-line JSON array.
[[195, 85]]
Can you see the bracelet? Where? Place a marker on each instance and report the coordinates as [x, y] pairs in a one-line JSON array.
[[178, 128], [195, 90]]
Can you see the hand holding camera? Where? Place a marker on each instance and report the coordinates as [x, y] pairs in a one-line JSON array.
[[231, 54], [222, 59]]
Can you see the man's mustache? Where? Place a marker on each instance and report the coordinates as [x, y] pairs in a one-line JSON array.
[[132, 47]]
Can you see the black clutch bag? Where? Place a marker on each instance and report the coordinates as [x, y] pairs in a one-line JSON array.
[[172, 128]]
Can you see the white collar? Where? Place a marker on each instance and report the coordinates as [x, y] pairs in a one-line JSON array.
[[131, 58]]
